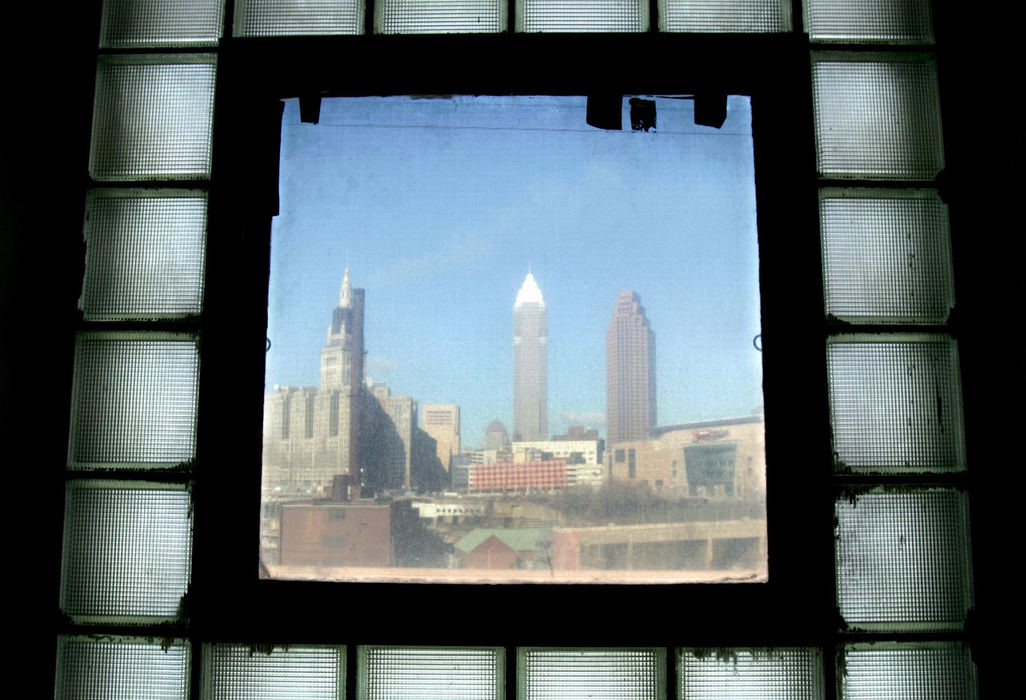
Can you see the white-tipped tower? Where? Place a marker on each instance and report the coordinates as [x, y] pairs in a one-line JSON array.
[[530, 360], [529, 292]]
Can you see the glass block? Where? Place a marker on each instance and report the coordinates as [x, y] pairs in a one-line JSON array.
[[903, 560], [886, 256], [567, 674], [908, 671], [439, 16], [714, 16], [877, 117], [866, 21], [122, 668], [410, 673], [582, 15], [239, 672], [144, 254], [152, 117], [895, 403], [751, 674], [127, 550], [130, 24], [298, 17], [134, 400]]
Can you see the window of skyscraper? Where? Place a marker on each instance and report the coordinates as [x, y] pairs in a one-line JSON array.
[[477, 306]]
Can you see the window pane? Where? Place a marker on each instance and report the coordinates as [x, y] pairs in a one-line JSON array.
[[240, 672], [439, 16], [582, 15], [751, 674], [134, 400], [122, 668], [137, 23], [903, 560], [410, 673], [877, 117], [708, 16], [127, 550], [298, 17], [886, 256], [909, 671], [895, 403], [461, 212], [152, 117], [569, 674], [144, 254], [885, 21]]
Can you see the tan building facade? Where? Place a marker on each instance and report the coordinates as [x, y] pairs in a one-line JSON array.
[[442, 422], [711, 459]]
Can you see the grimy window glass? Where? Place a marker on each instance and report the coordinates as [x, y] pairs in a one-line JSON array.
[[477, 305]]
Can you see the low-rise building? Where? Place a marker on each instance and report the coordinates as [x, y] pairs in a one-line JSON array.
[[713, 459], [509, 548]]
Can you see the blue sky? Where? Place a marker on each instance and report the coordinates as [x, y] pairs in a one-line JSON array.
[[440, 206]]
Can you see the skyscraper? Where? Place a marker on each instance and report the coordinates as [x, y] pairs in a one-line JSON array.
[[442, 422], [630, 372], [530, 364]]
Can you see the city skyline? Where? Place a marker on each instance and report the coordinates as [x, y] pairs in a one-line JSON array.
[[440, 237]]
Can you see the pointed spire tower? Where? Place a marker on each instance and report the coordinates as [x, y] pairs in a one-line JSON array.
[[342, 355], [530, 363], [341, 384]]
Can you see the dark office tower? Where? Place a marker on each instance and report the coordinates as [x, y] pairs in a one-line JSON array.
[[530, 360], [630, 372]]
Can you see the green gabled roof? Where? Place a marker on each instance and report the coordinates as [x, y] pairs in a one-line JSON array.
[[522, 539]]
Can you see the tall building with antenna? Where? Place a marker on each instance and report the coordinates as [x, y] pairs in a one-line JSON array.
[[630, 372], [530, 364]]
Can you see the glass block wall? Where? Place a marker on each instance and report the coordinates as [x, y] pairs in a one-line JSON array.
[[901, 546], [128, 512], [902, 554]]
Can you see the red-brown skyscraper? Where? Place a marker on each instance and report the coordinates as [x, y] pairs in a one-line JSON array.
[[630, 372]]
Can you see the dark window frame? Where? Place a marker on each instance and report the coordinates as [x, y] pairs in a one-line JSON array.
[[228, 600]]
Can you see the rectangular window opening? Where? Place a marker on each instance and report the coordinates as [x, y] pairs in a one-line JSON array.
[[466, 299]]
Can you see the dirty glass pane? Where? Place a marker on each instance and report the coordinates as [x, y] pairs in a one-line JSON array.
[[865, 21], [895, 403], [241, 672], [140, 23], [152, 117], [569, 674], [144, 254], [484, 404], [127, 550], [439, 16], [582, 15], [751, 674], [886, 256], [709, 16], [908, 671], [134, 400], [877, 116], [122, 668], [903, 560], [298, 17], [414, 673]]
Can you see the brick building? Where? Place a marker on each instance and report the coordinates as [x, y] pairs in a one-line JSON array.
[[518, 477]]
